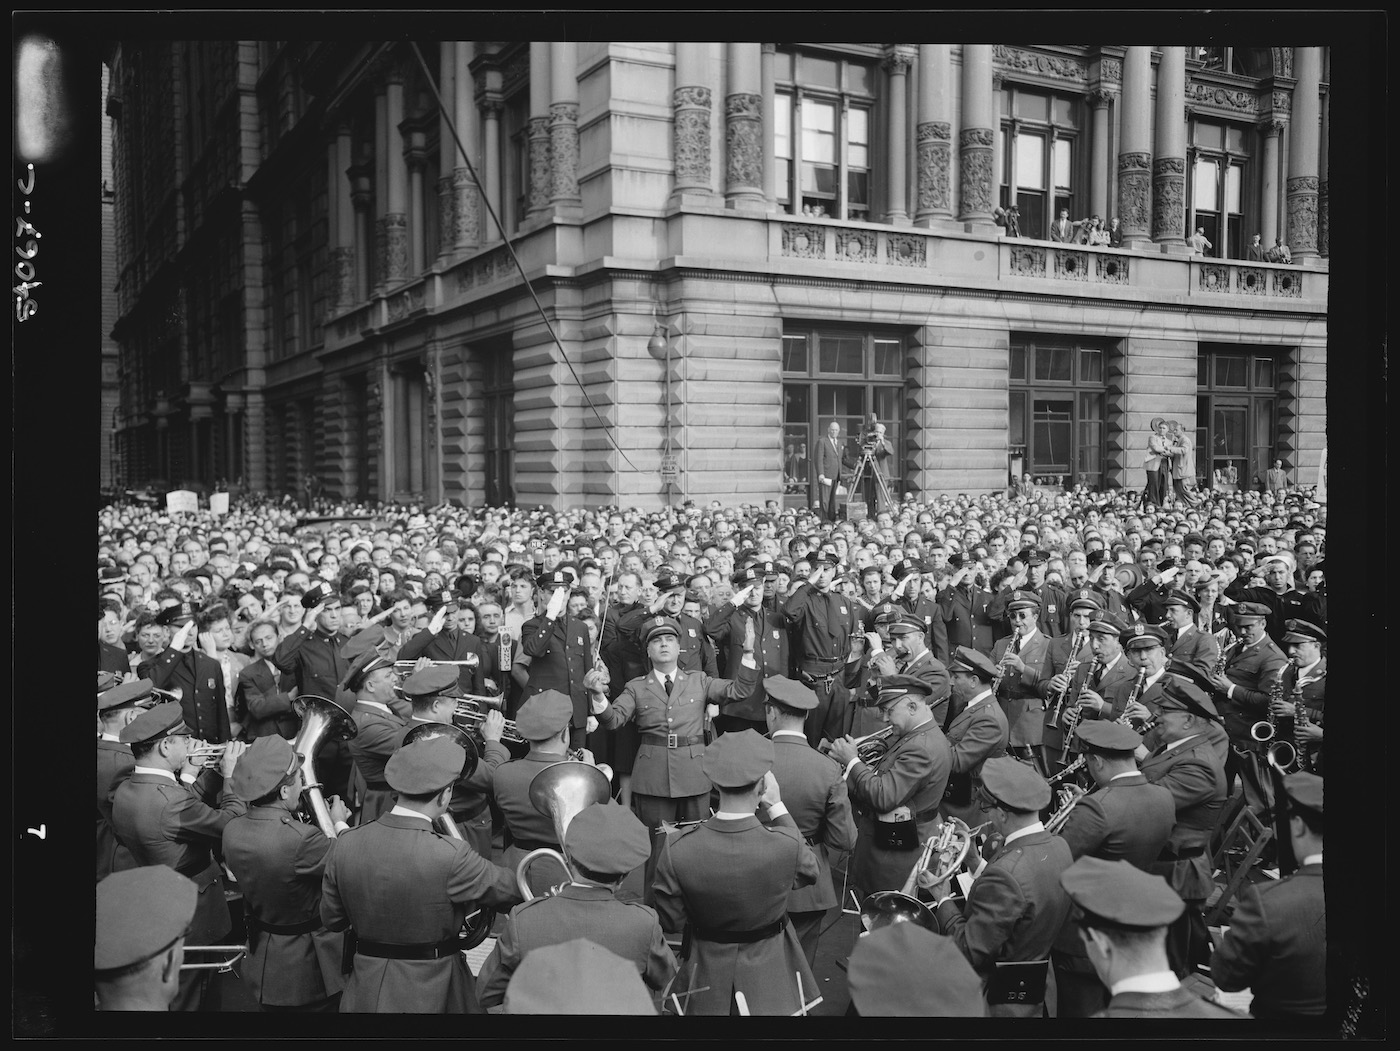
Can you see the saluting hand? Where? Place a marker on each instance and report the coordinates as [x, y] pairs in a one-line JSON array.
[[742, 595], [770, 796], [439, 619]]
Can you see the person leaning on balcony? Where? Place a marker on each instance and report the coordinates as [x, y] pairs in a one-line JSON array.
[[1009, 218], [1279, 253], [1197, 241], [1115, 233], [1255, 252], [1065, 229]]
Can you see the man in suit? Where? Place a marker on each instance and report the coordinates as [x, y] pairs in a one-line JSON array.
[[896, 797], [311, 655], [443, 640], [116, 708], [728, 624], [1122, 916], [604, 843], [669, 707], [822, 621], [560, 658], [197, 677], [1064, 229], [162, 814], [1190, 645], [216, 641], [964, 602], [378, 727], [1252, 665], [815, 794], [1016, 907], [1188, 766], [977, 733], [262, 693], [142, 918], [1021, 658], [293, 963], [829, 469], [406, 890], [738, 943], [1276, 946]]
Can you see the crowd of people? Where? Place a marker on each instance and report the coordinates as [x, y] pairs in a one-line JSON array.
[[784, 710]]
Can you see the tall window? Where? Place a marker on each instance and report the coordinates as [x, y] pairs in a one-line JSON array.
[[835, 375], [498, 392], [1219, 154], [408, 388], [1246, 61], [1236, 415], [1040, 156], [822, 134], [1055, 426]]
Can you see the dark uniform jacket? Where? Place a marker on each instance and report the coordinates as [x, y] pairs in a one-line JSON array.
[[1128, 819], [559, 659], [1314, 701], [1109, 678], [456, 645], [469, 796], [935, 627], [815, 796], [200, 680], [164, 822], [377, 737], [1179, 1003], [1019, 695], [629, 929], [823, 622], [279, 863], [695, 879], [977, 734], [1253, 670], [263, 695], [1291, 605], [313, 658], [726, 626], [527, 828], [397, 881], [966, 620], [662, 770], [1276, 946], [913, 773], [1195, 776], [622, 650], [114, 765], [1054, 607], [1149, 600], [1196, 648], [112, 658]]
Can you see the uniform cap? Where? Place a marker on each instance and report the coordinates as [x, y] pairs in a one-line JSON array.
[[124, 694], [905, 566], [1102, 735], [1014, 785], [825, 557], [318, 593], [106, 680], [544, 715], [430, 680], [967, 659], [1303, 631], [745, 577], [1181, 694], [887, 614], [903, 970], [557, 579], [1120, 894], [1182, 598], [1106, 622], [893, 687], [1085, 599], [1304, 790], [171, 616], [425, 766], [164, 720], [737, 760], [1250, 611], [608, 838], [440, 599], [907, 625], [1141, 636], [659, 626], [139, 912], [666, 582], [1024, 600], [263, 767], [1036, 558], [577, 978], [790, 692]]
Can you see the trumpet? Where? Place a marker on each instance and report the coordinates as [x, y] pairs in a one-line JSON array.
[[403, 667], [206, 754], [870, 747], [234, 953], [471, 718]]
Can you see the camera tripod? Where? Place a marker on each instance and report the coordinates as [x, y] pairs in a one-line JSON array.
[[864, 464]]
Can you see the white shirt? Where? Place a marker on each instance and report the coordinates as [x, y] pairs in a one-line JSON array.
[[110, 737], [1030, 829], [1126, 773], [157, 770], [1111, 665], [1312, 859], [1026, 637], [977, 700], [1304, 674], [661, 678], [1156, 982], [1147, 682], [790, 733], [776, 810], [1175, 744], [403, 811], [374, 704]]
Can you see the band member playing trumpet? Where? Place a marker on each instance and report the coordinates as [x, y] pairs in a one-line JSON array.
[[432, 692], [378, 728], [896, 798], [406, 890], [163, 815], [1016, 906], [738, 943], [604, 843], [977, 734], [293, 962]]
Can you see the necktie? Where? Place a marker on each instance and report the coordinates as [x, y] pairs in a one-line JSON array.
[[1096, 678], [670, 684], [1016, 644]]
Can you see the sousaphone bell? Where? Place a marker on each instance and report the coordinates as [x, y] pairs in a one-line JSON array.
[[562, 792]]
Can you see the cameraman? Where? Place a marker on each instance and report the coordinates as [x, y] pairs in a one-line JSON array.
[[877, 448]]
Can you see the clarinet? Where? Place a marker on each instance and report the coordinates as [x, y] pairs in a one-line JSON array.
[[1076, 642], [1300, 723], [1076, 713], [1133, 696], [1004, 663]]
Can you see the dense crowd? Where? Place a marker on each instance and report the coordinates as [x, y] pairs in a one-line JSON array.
[[691, 648]]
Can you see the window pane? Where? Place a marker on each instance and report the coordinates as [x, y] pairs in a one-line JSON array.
[[1030, 161], [819, 132], [820, 72], [888, 356], [859, 78], [1051, 435], [1032, 206], [858, 126], [1208, 136], [784, 176], [1054, 364], [1003, 102], [782, 68], [1062, 161], [1090, 407], [817, 179], [1016, 423], [1263, 421], [795, 354], [1202, 370], [1235, 140], [889, 407], [1063, 112], [843, 354], [858, 156], [1264, 373], [1206, 173], [1232, 189], [1229, 370], [858, 189], [796, 403], [1018, 362], [1031, 107], [796, 465], [782, 126], [1090, 366]]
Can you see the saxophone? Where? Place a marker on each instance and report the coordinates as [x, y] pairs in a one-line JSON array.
[[1225, 644], [1265, 729]]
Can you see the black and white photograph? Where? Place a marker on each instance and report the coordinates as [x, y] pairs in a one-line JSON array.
[[683, 528]]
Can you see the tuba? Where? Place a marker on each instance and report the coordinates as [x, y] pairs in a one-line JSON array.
[[562, 791], [321, 720], [942, 856]]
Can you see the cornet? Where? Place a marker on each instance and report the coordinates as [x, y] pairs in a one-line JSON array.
[[470, 717], [206, 754]]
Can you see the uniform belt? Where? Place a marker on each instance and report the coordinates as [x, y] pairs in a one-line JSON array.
[[707, 934], [378, 786], [673, 740], [304, 927], [1181, 855], [533, 844], [423, 951]]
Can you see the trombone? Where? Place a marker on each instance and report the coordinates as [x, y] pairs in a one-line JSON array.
[[218, 966]]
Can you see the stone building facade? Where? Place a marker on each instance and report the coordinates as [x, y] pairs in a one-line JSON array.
[[727, 247]]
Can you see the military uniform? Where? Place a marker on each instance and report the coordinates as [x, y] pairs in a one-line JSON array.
[[1128, 818], [727, 627], [823, 622], [378, 731], [470, 807], [1019, 695], [978, 733], [114, 765], [1193, 646]]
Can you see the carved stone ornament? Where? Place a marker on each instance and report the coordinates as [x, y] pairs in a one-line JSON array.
[[906, 250], [1214, 278], [447, 208], [1071, 266], [1302, 214], [1028, 261], [808, 242], [1233, 100], [1135, 193], [1168, 197], [1283, 62], [743, 141], [855, 245], [1022, 61], [1101, 97], [539, 163], [466, 211], [1323, 222], [343, 263], [692, 135], [381, 250], [396, 246], [896, 61], [563, 149], [1111, 71], [934, 154], [1251, 281], [405, 303], [975, 178], [1287, 283], [1111, 269], [1283, 102]]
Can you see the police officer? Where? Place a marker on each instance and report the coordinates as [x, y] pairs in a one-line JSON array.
[[727, 625], [197, 678], [557, 646], [293, 963], [443, 640], [822, 620], [142, 916], [378, 727], [312, 655], [604, 843]]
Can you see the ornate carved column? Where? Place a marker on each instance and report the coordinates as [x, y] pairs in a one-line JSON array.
[[563, 125], [1099, 99], [396, 215], [933, 135], [447, 148], [692, 103], [1135, 153], [1302, 154], [975, 175], [1268, 196], [896, 62], [466, 197], [1169, 163], [743, 129], [343, 260], [768, 87], [1322, 211], [415, 138], [361, 194], [540, 181], [491, 135], [381, 173]]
